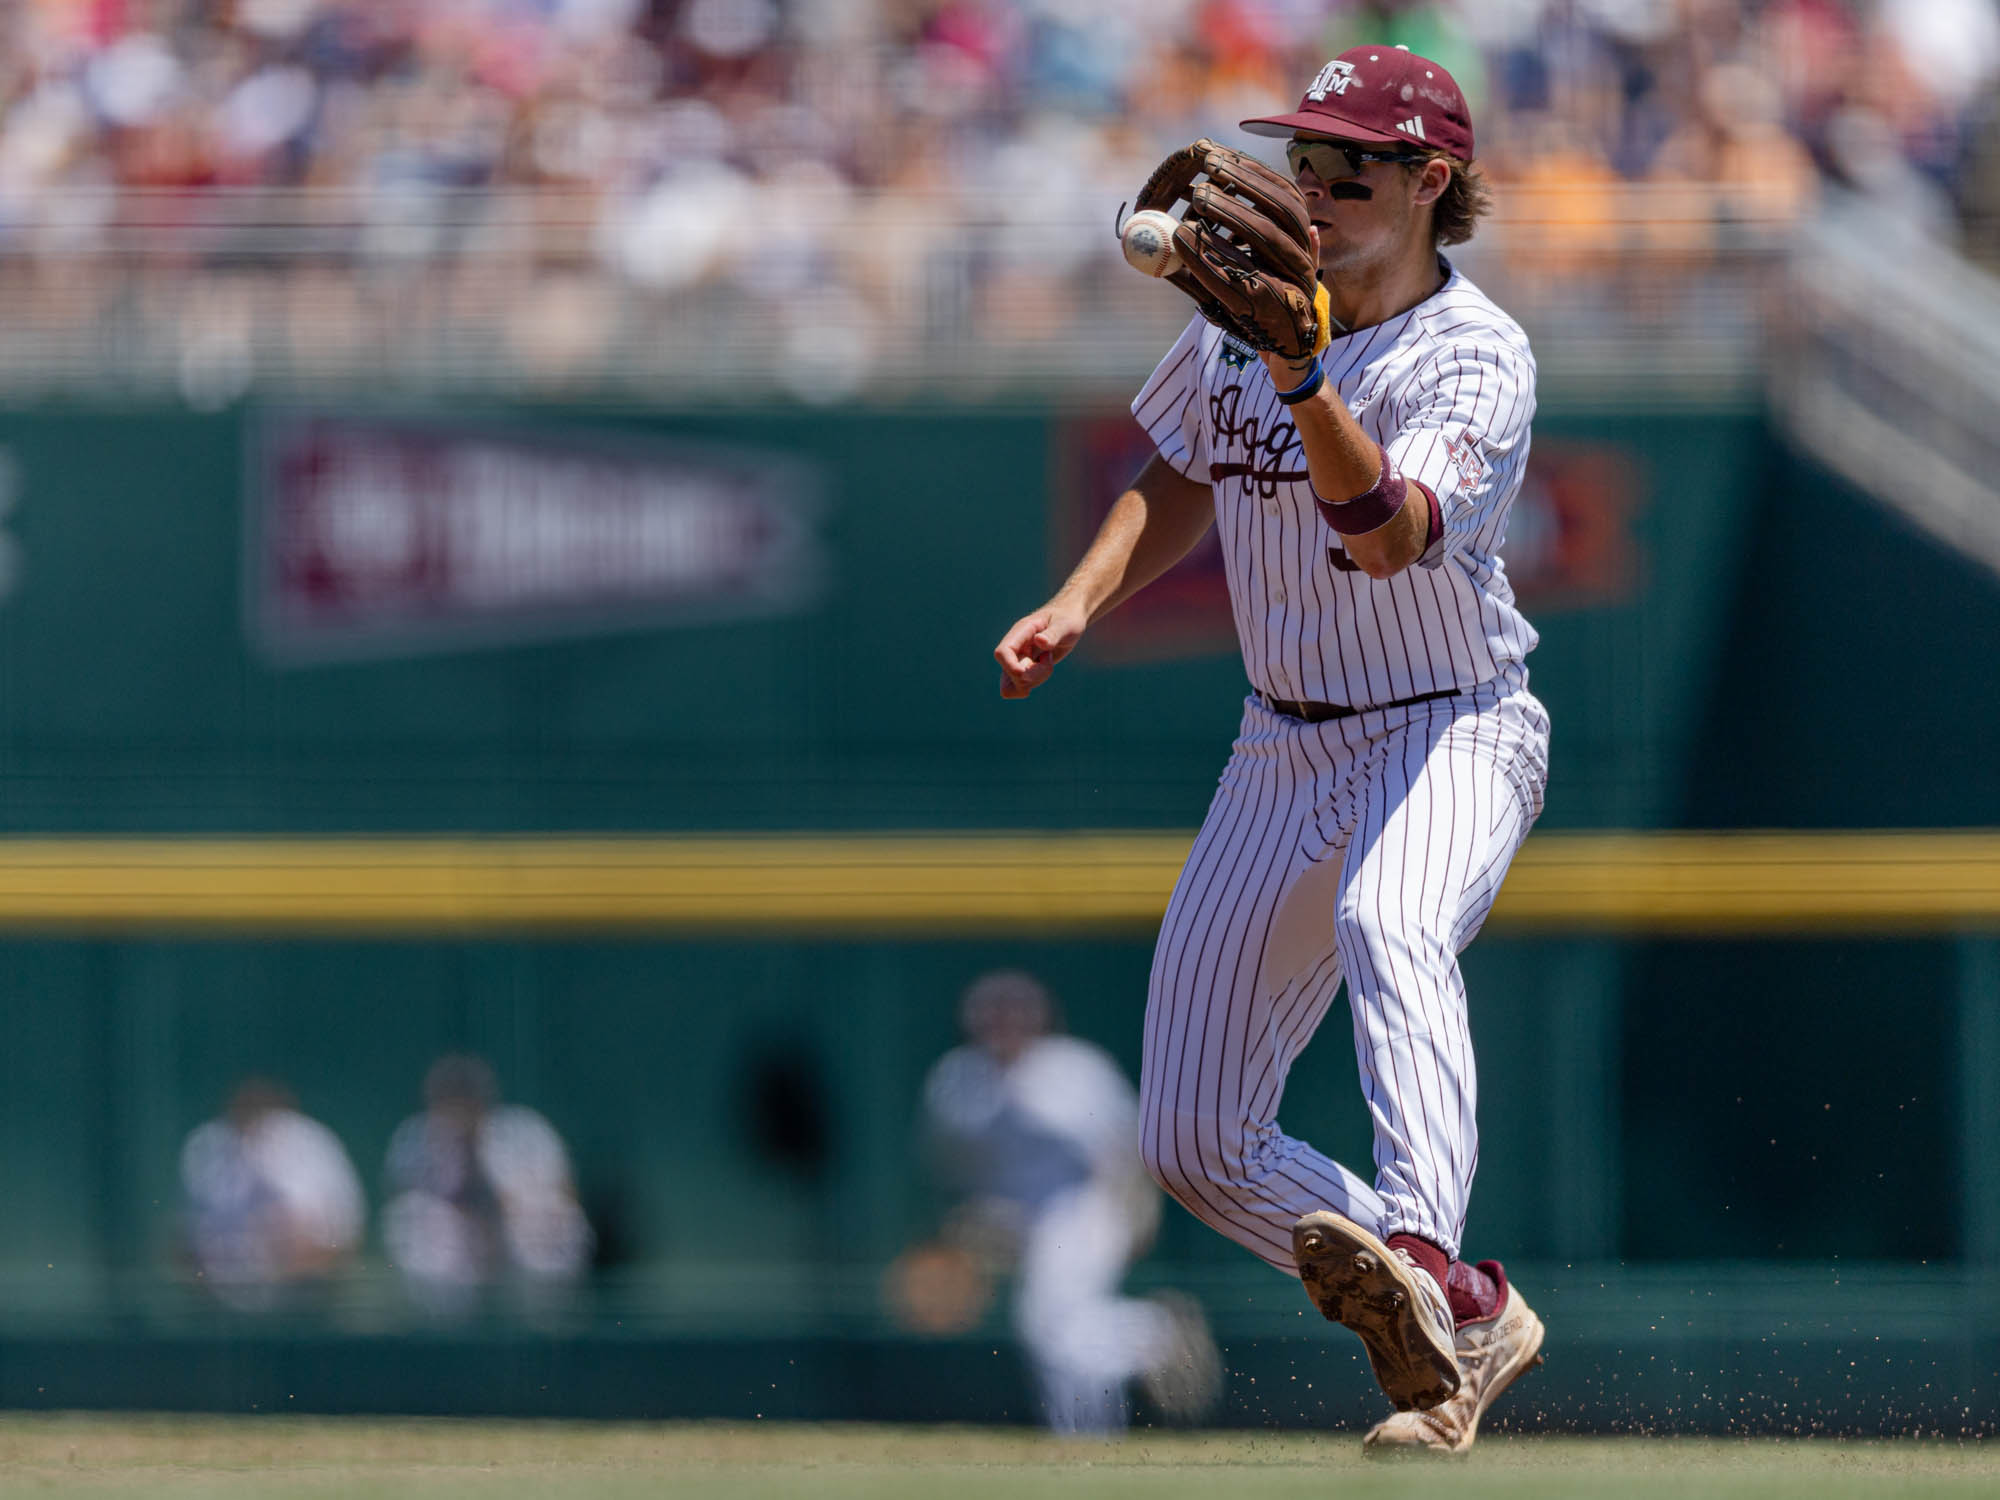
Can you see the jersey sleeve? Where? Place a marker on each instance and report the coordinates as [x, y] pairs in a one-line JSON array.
[[1169, 406], [1464, 436]]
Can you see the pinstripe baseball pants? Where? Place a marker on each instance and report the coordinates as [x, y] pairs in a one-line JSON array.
[[1369, 847]]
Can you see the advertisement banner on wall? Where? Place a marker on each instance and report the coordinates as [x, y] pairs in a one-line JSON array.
[[1183, 614], [385, 537], [1570, 540]]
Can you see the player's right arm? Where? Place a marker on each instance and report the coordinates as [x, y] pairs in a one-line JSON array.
[[1153, 525]]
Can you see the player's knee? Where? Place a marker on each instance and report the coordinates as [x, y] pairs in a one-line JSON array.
[[1172, 1162], [1187, 1154], [1404, 944], [1162, 1163]]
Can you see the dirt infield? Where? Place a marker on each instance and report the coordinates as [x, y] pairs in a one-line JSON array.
[[278, 1456]]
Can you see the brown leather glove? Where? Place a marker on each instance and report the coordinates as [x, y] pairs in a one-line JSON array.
[[1245, 246]]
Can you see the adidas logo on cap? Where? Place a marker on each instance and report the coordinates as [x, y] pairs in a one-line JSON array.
[[1374, 94]]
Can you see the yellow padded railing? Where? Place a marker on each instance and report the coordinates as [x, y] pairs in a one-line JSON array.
[[1020, 884]]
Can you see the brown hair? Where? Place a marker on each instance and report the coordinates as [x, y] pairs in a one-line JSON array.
[[1464, 202]]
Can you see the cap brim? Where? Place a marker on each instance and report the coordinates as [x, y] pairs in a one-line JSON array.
[[1312, 122]]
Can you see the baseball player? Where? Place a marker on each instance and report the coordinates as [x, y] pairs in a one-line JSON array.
[[1034, 1129], [1352, 414]]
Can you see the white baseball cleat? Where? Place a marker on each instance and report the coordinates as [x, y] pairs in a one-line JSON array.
[[1394, 1304], [1492, 1354]]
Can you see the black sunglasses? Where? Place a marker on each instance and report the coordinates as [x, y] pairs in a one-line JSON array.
[[1332, 162]]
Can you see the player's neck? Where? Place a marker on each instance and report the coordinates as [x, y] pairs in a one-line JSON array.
[[1363, 301]]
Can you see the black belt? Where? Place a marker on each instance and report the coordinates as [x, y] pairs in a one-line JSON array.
[[1320, 713]]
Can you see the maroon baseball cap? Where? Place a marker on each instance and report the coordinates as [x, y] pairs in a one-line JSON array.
[[1380, 94]]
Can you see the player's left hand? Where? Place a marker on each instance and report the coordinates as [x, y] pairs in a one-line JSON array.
[[1249, 255]]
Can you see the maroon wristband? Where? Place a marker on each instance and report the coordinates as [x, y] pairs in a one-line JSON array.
[[1370, 510], [1433, 515]]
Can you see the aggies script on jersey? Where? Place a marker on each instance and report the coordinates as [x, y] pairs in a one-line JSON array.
[[1448, 390]]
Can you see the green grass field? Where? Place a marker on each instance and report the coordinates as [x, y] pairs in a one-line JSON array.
[[206, 1456]]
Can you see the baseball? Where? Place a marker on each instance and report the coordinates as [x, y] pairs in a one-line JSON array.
[[1148, 242]]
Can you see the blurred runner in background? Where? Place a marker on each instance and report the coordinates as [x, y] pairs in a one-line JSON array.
[[1036, 1134]]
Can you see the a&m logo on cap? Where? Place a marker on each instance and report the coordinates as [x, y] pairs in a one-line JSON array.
[[1333, 79]]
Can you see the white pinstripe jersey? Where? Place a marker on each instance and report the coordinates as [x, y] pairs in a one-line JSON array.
[[1448, 390]]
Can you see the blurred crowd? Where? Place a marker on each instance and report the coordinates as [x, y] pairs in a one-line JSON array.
[[817, 155], [480, 1205]]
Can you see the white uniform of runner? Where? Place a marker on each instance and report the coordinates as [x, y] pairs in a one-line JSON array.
[[1367, 846], [1044, 1144]]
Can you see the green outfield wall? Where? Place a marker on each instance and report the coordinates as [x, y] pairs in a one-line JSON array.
[[145, 688], [524, 622]]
